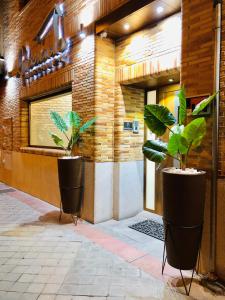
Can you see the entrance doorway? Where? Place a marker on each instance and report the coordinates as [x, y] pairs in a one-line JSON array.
[[166, 96]]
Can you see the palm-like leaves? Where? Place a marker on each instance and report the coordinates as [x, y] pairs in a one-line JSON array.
[[71, 121], [195, 131], [182, 138], [57, 140], [157, 118], [87, 125], [182, 106], [203, 104], [58, 121], [155, 150]]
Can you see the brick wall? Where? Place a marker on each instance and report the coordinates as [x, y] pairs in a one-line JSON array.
[[197, 75], [21, 26], [153, 50], [129, 106], [104, 99], [152, 42], [197, 47], [220, 259], [197, 67], [222, 105], [141, 56], [83, 88]]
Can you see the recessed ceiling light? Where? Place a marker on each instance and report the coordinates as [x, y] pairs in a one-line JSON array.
[[171, 80], [159, 9], [126, 26]]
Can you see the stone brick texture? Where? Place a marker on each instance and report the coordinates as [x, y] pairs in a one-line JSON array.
[[220, 259], [197, 74], [104, 99], [198, 64], [20, 27]]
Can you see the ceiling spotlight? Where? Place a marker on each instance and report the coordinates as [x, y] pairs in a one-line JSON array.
[[82, 33], [159, 9], [126, 26], [171, 80], [103, 35]]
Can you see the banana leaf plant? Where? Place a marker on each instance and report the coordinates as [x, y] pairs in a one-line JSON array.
[[72, 128], [182, 137]]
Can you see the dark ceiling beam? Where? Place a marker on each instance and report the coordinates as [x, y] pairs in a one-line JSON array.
[[120, 13]]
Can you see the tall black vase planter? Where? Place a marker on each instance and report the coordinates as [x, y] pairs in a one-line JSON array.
[[71, 173], [183, 213]]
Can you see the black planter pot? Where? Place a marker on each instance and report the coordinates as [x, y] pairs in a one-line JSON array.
[[70, 171], [183, 212]]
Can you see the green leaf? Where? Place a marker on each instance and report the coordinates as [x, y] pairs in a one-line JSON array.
[[177, 145], [183, 106], [203, 104], [195, 131], [155, 150], [176, 129], [157, 118], [57, 140], [58, 121], [73, 119], [73, 140], [87, 125]]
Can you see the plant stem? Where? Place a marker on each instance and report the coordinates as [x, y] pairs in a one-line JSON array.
[[173, 157], [183, 161], [170, 130], [186, 156]]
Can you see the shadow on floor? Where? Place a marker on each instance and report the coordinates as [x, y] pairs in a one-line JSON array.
[[53, 218]]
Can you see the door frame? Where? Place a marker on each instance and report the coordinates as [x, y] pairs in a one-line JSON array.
[[157, 88], [145, 165]]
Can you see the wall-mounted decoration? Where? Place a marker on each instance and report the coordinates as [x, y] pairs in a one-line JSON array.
[[193, 101], [53, 21], [34, 66]]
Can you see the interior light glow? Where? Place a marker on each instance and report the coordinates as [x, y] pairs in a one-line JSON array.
[[86, 16], [171, 80], [126, 26], [61, 6], [82, 33], [159, 9]]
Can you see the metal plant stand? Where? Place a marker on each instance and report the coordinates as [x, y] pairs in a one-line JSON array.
[[74, 217], [168, 231]]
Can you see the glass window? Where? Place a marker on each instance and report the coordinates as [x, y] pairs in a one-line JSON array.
[[40, 122]]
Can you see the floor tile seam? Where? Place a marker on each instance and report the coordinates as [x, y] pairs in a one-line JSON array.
[[153, 274], [33, 203]]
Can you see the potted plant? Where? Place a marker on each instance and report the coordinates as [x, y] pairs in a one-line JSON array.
[[70, 166], [183, 188]]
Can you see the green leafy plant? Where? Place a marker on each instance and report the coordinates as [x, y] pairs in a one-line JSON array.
[[72, 127], [182, 139]]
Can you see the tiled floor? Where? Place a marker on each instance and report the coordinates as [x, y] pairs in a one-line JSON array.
[[42, 259]]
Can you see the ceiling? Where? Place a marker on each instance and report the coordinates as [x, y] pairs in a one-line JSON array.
[[149, 14]]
